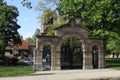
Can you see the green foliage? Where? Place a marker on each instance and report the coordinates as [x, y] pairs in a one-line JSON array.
[[94, 14], [112, 39], [8, 25], [113, 63], [114, 45], [2, 45], [71, 52], [102, 17], [73, 44], [71, 40], [26, 3], [56, 23], [33, 40]]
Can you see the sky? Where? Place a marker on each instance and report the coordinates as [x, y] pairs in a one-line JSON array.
[[28, 18]]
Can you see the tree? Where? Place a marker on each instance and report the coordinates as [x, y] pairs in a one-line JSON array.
[[47, 4], [102, 17], [37, 32], [112, 40], [26, 3], [94, 14], [8, 25], [33, 40]]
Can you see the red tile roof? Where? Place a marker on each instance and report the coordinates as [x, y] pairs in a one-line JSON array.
[[25, 45]]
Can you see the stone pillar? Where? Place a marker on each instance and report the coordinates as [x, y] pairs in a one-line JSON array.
[[55, 59], [101, 59], [38, 60], [87, 60]]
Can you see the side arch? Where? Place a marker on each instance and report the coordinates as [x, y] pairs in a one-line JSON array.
[[97, 52]]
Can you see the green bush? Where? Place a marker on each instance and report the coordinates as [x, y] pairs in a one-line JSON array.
[[113, 63]]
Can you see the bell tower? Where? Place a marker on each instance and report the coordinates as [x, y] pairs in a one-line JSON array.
[[47, 19]]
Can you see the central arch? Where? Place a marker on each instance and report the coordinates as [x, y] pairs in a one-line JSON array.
[[71, 54], [46, 57]]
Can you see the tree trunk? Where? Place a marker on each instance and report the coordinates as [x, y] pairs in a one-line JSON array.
[[113, 55], [117, 55]]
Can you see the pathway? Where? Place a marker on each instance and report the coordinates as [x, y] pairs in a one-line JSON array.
[[71, 75]]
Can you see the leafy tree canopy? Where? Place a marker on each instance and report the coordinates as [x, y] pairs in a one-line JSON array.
[[8, 24], [102, 17], [33, 40], [94, 14]]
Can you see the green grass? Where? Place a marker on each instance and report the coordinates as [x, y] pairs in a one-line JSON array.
[[113, 63], [23, 69], [18, 70]]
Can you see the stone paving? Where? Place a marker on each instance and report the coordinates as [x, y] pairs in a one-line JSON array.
[[96, 74]]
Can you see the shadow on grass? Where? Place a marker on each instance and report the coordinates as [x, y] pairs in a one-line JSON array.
[[20, 63]]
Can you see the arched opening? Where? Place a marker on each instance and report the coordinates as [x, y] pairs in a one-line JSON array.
[[71, 54], [46, 57], [95, 56]]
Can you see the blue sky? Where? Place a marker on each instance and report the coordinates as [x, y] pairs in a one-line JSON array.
[[27, 17]]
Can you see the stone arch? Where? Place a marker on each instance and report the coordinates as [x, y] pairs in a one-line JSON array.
[[95, 56], [93, 43], [62, 33], [84, 46], [99, 55]]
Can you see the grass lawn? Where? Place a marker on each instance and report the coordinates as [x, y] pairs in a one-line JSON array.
[[113, 63], [18, 70], [23, 69]]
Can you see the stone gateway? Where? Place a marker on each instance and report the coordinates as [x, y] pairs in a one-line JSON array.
[[48, 49]]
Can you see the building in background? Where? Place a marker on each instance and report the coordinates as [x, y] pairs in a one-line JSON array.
[[21, 51]]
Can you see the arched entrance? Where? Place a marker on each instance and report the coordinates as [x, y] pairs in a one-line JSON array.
[[95, 56], [71, 48], [46, 57], [71, 54]]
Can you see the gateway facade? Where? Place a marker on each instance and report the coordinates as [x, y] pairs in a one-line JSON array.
[[92, 48]]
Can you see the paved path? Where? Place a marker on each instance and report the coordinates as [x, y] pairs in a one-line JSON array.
[[71, 75]]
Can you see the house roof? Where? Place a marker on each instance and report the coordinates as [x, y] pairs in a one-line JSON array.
[[25, 45]]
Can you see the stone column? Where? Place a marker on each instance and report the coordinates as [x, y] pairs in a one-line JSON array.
[[87, 60], [101, 59], [38, 60], [55, 59]]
